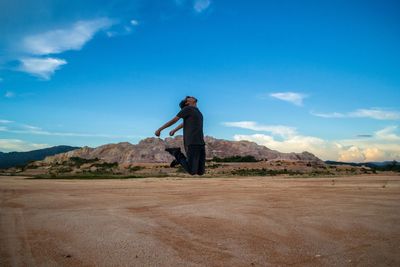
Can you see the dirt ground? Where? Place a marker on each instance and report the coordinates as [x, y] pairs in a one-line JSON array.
[[346, 221]]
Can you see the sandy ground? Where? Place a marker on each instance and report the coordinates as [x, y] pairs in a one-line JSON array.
[[351, 221]]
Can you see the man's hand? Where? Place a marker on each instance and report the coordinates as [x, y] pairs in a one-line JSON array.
[[171, 133], [171, 122]]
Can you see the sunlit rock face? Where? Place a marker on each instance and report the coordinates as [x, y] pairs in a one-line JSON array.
[[152, 150]]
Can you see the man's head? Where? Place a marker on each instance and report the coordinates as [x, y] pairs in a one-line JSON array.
[[188, 101]]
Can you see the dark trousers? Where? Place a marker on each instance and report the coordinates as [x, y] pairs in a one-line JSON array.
[[195, 161]]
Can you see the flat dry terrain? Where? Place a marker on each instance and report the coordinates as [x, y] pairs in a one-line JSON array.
[[352, 221]]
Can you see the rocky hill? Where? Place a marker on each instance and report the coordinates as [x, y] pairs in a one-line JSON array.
[[151, 150]]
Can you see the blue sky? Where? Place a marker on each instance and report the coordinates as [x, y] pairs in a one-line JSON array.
[[292, 75]]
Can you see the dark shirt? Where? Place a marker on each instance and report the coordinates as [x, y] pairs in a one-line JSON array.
[[192, 125]]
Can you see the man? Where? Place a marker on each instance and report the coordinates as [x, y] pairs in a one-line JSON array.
[[193, 137]]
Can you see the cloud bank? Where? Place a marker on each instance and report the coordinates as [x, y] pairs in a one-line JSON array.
[[280, 130], [9, 145], [21, 128], [373, 113], [383, 145]]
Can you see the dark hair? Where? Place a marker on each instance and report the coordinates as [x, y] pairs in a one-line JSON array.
[[182, 104]]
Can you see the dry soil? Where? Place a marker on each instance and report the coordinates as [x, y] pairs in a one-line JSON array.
[[256, 221]]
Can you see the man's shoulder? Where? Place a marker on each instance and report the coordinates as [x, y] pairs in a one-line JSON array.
[[190, 109], [185, 111]]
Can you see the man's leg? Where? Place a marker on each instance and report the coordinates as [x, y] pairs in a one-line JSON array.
[[179, 157], [194, 154], [195, 160], [184, 162], [202, 161]]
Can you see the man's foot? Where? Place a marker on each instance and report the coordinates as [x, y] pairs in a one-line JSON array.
[[174, 163], [173, 150]]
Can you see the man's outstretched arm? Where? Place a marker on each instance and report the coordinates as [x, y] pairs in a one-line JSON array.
[[171, 122], [180, 126]]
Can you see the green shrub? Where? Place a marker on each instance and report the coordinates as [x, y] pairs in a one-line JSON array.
[[235, 159], [77, 161], [135, 168], [106, 165], [180, 169], [213, 166]]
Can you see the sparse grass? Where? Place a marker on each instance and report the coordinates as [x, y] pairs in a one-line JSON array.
[[180, 169], [94, 176], [262, 172], [64, 169], [136, 168], [77, 161]]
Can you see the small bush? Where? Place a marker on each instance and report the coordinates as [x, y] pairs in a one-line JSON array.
[[135, 168], [77, 161], [180, 169], [213, 166], [106, 165], [235, 159]]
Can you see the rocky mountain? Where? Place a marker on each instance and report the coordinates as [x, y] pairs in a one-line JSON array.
[[13, 159], [151, 150]]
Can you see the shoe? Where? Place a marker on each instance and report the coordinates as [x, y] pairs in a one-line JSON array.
[[174, 163], [173, 150]]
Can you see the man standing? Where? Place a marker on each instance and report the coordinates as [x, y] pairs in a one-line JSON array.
[[193, 137]]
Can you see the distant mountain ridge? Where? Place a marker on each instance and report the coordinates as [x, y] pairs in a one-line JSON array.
[[380, 166], [13, 159], [152, 150]]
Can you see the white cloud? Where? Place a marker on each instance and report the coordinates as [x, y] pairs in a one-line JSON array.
[[41, 67], [294, 98], [201, 5], [280, 130], [377, 114], [60, 40], [341, 150], [134, 22], [352, 154], [329, 115], [5, 121], [383, 145], [19, 128], [298, 143], [9, 94], [68, 134], [8, 145], [31, 127], [122, 30], [57, 41], [388, 134]]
